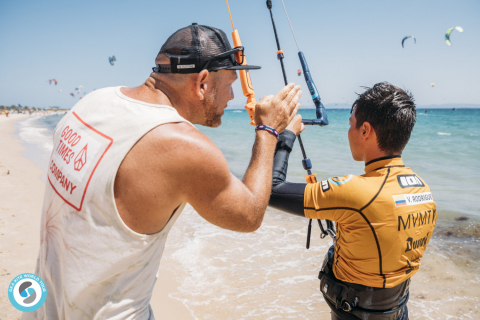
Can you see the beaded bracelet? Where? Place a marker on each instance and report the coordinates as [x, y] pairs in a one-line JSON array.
[[267, 128]]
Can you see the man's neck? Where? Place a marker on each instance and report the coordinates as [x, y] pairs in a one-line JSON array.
[[148, 93], [153, 92]]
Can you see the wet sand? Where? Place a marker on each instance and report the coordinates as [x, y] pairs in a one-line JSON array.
[[270, 275]]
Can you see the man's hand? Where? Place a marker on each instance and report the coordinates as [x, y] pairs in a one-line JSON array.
[[296, 125], [278, 111]]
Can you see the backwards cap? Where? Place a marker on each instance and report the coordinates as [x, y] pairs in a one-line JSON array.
[[193, 48]]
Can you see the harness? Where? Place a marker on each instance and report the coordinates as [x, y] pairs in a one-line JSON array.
[[352, 301]]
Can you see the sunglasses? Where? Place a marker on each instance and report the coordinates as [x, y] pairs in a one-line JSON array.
[[237, 56]]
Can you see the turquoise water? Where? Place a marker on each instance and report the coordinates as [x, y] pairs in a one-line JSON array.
[[444, 150]]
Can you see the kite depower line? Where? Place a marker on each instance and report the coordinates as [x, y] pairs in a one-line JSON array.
[[321, 120]]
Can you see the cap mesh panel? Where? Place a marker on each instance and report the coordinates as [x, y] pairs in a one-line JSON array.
[[198, 42]]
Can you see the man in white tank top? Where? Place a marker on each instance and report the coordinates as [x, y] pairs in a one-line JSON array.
[[127, 160]]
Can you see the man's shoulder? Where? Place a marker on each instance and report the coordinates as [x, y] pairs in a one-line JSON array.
[[179, 135], [180, 144], [102, 92], [177, 155]]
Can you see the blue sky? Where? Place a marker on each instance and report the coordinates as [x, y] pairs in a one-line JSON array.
[[348, 44]]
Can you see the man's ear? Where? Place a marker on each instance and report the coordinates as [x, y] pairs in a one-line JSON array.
[[367, 131], [202, 84]]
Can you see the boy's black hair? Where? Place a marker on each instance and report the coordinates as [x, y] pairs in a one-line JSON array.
[[391, 112]]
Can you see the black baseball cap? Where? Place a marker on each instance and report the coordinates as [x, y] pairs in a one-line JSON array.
[[196, 47]]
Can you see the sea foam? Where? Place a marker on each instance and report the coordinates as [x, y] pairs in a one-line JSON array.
[[32, 131]]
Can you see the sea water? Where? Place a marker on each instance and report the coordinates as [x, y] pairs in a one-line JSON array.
[[444, 150], [269, 274]]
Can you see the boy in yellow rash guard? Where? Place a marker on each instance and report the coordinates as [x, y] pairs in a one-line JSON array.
[[384, 218]]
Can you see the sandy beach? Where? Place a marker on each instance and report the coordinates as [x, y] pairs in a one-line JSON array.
[[260, 280], [21, 195]]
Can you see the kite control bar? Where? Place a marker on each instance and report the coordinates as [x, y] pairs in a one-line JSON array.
[[321, 121]]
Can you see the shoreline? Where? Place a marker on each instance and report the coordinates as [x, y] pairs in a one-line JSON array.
[[20, 214]]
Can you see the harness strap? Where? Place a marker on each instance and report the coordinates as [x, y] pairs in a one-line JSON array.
[[344, 300], [309, 233]]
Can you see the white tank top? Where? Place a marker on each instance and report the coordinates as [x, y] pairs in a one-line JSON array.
[[94, 266]]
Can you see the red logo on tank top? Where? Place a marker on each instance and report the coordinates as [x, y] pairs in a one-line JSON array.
[[79, 149], [81, 159]]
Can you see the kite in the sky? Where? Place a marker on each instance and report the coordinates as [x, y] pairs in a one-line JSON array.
[[112, 59], [78, 89], [52, 80], [432, 84], [72, 95], [405, 38], [449, 31], [299, 72]]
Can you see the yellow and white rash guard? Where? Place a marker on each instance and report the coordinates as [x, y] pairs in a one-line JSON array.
[[384, 221]]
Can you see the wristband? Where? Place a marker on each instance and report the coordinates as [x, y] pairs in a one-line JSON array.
[[268, 129]]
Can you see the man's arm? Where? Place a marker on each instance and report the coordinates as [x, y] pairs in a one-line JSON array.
[[204, 178], [221, 198]]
